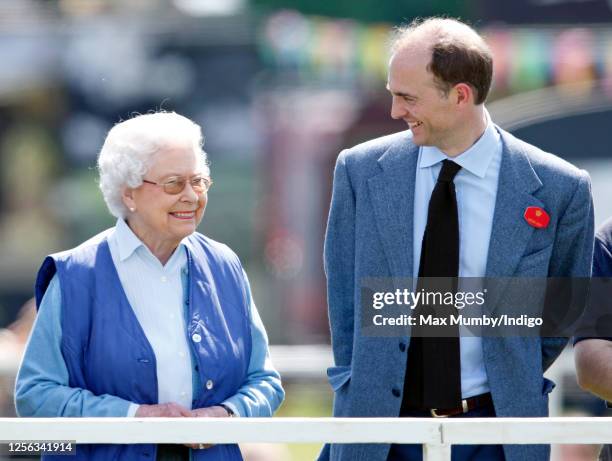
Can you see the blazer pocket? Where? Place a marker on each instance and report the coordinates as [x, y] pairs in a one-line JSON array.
[[540, 258], [338, 376]]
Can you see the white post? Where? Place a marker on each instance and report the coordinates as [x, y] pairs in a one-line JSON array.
[[436, 452]]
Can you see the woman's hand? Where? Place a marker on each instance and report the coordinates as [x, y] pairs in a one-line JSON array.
[[208, 412], [167, 410]]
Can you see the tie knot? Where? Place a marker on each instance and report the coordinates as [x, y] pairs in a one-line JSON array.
[[448, 171]]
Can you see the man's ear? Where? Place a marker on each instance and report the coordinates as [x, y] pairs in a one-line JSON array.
[[127, 195], [464, 92]]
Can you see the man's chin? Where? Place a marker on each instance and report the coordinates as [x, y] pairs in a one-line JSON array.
[[418, 137], [419, 141]]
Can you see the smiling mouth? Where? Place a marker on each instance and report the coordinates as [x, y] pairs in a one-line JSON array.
[[413, 125], [183, 214]]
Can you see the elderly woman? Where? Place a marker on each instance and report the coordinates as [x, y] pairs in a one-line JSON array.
[[149, 318]]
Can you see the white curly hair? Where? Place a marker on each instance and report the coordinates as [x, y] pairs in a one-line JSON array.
[[130, 147]]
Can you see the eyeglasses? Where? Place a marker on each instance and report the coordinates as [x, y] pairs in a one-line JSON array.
[[174, 186]]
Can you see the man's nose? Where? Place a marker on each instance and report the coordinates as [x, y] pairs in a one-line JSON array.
[[398, 111]]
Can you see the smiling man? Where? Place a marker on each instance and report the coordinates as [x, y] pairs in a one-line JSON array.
[[454, 196]]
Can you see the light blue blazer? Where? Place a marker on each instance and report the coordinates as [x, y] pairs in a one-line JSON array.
[[369, 234]]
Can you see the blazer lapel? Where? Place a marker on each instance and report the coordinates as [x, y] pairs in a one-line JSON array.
[[392, 193], [511, 233]]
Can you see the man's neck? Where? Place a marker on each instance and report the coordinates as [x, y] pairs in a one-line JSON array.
[[474, 128]]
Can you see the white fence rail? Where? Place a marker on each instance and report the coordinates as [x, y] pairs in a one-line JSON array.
[[436, 435]]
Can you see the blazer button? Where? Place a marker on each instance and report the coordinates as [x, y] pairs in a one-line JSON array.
[[209, 384], [402, 347], [396, 392], [196, 338]]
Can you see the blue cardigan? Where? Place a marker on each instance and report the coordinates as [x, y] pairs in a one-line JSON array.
[[107, 353]]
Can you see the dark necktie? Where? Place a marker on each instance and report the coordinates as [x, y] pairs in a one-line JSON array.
[[433, 374]]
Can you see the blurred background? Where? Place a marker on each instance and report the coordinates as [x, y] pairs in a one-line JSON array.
[[280, 87]]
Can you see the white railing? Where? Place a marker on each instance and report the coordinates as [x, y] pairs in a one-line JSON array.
[[436, 435]]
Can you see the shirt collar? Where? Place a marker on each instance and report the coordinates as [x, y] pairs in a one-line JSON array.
[[476, 159], [127, 242]]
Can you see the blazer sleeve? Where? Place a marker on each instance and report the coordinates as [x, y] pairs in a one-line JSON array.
[[572, 254], [339, 263]]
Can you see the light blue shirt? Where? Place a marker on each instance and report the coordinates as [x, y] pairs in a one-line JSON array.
[[476, 188], [155, 293]]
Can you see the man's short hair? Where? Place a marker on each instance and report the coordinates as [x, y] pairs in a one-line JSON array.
[[458, 53]]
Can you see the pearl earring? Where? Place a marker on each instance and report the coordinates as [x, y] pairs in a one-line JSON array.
[[132, 210]]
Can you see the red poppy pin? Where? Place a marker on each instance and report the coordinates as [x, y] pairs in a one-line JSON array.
[[536, 217]]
